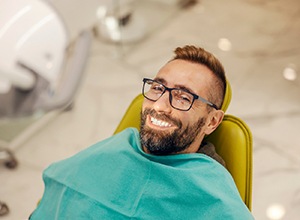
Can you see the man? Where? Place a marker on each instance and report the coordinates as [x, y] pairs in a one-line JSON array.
[[161, 172]]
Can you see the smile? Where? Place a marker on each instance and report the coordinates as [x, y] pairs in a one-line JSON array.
[[160, 123]]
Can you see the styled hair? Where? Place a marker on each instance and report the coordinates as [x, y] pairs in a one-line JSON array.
[[201, 56]]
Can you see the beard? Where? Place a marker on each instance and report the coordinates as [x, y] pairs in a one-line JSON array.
[[168, 142]]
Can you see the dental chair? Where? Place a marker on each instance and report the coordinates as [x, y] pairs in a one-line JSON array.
[[41, 69], [232, 140]]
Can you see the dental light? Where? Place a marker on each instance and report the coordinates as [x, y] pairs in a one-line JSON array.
[[36, 74]]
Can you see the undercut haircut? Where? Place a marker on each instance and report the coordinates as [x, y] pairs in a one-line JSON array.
[[199, 55]]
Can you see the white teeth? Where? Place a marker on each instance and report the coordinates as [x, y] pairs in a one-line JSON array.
[[160, 123]]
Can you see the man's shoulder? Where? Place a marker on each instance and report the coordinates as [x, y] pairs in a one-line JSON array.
[[209, 149]]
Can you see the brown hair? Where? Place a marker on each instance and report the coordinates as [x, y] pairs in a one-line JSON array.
[[201, 56]]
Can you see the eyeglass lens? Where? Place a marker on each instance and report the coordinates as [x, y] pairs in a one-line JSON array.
[[179, 98]]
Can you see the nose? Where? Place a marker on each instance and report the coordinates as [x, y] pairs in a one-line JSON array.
[[163, 103]]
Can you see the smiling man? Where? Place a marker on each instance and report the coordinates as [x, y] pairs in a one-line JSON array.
[[165, 171], [176, 113]]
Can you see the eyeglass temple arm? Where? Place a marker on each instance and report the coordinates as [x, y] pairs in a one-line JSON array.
[[208, 102]]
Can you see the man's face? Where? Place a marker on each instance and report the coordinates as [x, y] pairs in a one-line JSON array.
[[165, 130]]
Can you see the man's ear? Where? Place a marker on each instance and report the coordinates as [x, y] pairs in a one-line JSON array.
[[214, 119]]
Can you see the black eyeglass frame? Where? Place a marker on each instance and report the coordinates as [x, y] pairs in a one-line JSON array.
[[145, 80]]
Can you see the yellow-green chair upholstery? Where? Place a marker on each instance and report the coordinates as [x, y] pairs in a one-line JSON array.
[[232, 139]]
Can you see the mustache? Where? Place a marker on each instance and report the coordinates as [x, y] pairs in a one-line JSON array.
[[162, 117]]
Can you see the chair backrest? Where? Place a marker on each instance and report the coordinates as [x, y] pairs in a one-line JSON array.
[[232, 139]]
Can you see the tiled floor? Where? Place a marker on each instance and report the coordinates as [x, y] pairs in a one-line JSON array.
[[265, 40]]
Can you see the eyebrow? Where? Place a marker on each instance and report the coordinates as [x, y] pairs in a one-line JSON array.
[[163, 81]]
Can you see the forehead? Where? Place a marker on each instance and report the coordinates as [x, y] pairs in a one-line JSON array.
[[194, 76]]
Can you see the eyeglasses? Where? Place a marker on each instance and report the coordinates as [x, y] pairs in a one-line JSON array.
[[179, 98]]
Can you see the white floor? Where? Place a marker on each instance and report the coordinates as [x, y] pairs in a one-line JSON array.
[[264, 36]]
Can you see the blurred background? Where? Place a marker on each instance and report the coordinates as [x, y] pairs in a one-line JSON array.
[[256, 40]]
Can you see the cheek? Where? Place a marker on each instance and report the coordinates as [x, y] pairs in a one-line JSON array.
[[191, 116], [146, 104], [184, 118], [195, 117], [146, 107]]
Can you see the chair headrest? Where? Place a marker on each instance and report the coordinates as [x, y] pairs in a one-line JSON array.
[[227, 97]]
